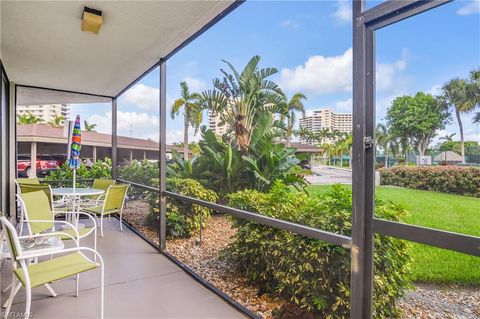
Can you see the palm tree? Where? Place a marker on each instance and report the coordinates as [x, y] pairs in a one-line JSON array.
[[476, 118], [473, 95], [344, 146], [383, 136], [89, 127], [305, 134], [336, 134], [328, 150], [448, 137], [242, 98], [293, 105], [323, 135], [57, 121], [192, 115], [464, 96], [28, 118]]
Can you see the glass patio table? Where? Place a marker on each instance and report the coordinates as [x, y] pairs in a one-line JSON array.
[[73, 194], [77, 191]]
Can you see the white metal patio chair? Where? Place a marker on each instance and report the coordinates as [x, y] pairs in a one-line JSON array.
[[31, 275]]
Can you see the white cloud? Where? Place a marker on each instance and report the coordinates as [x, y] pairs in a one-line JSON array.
[[388, 73], [345, 106], [382, 104], [289, 24], [472, 7], [472, 135], [176, 136], [143, 96], [321, 74], [139, 125], [343, 14], [332, 74], [435, 90], [195, 84]]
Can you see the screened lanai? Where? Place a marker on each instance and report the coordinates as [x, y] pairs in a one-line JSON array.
[[69, 66]]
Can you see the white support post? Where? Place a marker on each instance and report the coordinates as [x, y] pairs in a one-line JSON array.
[[33, 159]]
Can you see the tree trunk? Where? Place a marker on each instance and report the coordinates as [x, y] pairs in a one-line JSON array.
[[289, 138], [420, 149], [462, 142], [386, 155], [405, 151], [185, 136], [350, 151]]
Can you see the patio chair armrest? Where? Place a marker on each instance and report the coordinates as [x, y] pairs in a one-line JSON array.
[[80, 213], [67, 250], [99, 198], [55, 222], [56, 233]]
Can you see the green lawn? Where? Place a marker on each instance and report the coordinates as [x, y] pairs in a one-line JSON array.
[[441, 211]]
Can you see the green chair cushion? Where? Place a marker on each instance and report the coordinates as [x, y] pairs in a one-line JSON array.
[[55, 269], [98, 210], [31, 180], [81, 232], [100, 183], [37, 207]]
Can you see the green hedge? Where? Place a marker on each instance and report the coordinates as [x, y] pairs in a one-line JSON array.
[[445, 179], [183, 219], [99, 169], [310, 273], [141, 172]]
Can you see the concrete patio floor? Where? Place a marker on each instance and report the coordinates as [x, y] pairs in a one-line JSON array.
[[139, 283]]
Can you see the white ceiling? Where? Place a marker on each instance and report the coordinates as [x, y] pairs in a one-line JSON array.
[[34, 96], [42, 45]]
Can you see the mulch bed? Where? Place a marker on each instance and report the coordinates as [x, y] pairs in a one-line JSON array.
[[425, 302]]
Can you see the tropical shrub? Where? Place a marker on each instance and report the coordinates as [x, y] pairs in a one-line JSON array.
[[99, 169], [183, 219], [222, 167], [268, 161], [219, 165], [312, 274], [446, 179], [141, 172], [180, 167]]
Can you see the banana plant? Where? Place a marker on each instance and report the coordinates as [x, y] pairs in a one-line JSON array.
[[268, 161], [180, 167], [219, 165], [240, 98]]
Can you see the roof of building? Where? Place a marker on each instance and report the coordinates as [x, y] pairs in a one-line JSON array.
[[304, 148], [45, 133], [448, 156], [50, 134]]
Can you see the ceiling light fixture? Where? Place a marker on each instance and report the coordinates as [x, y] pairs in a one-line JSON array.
[[91, 20]]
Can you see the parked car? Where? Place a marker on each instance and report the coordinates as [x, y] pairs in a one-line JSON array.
[[305, 164], [23, 166], [45, 164]]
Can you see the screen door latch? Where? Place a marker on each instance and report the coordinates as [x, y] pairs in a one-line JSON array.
[[369, 142]]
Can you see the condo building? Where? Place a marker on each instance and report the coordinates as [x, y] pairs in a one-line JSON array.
[[326, 118], [214, 123], [46, 112]]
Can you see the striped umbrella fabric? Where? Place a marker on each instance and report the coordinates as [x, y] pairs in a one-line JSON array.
[[76, 144]]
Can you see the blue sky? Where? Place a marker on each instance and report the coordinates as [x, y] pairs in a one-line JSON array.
[[310, 44]]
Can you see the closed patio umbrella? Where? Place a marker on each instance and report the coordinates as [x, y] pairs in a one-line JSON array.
[[75, 148]]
